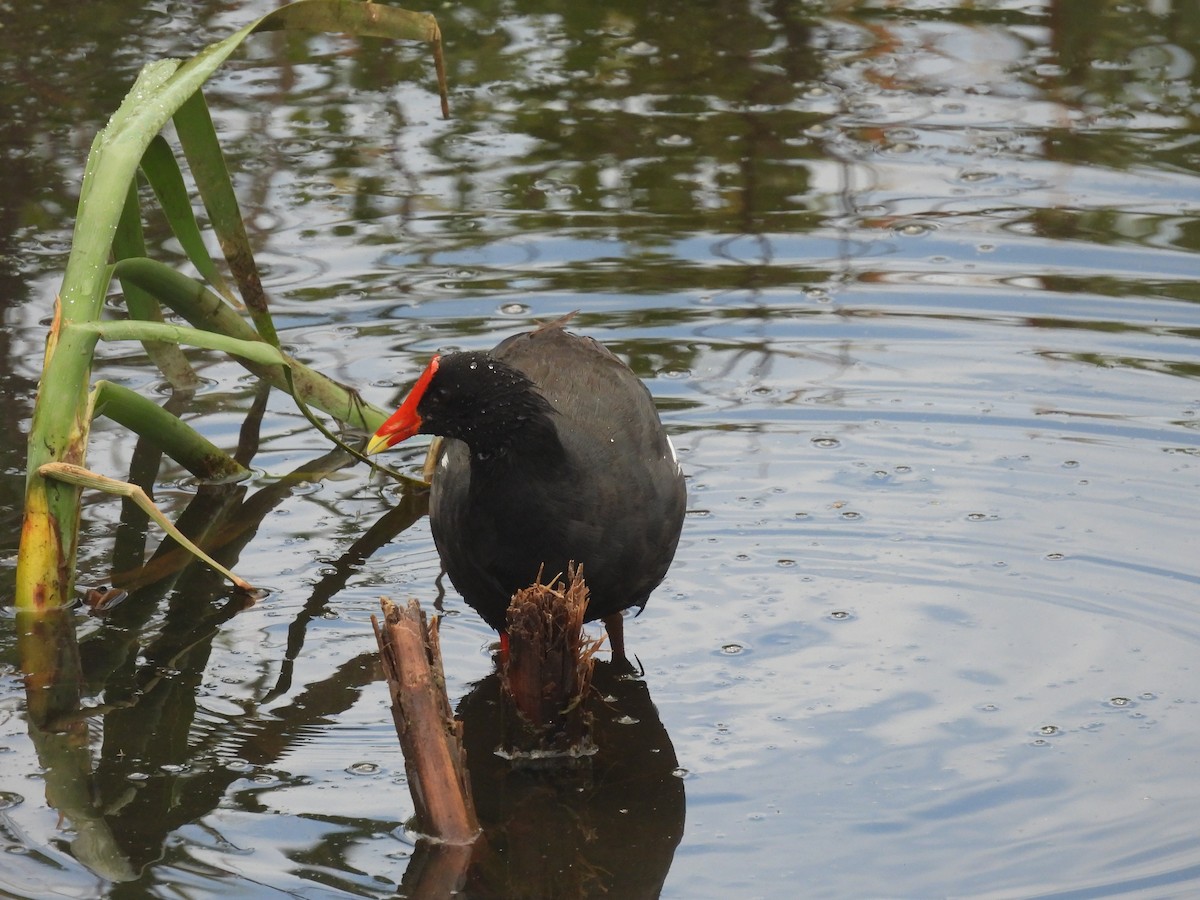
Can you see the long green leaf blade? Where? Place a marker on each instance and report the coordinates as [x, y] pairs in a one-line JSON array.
[[166, 431], [255, 351], [162, 171], [128, 242], [198, 137]]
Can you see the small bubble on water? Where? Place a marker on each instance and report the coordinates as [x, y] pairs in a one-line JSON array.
[[514, 309], [1056, 556], [913, 229], [732, 648], [841, 615], [826, 443], [1119, 701], [1048, 729], [1039, 742], [851, 515], [786, 563], [363, 768], [680, 772], [1071, 464]]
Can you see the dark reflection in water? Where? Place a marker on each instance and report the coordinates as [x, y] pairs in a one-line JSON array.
[[607, 827]]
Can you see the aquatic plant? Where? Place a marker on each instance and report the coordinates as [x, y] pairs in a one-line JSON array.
[[107, 245]]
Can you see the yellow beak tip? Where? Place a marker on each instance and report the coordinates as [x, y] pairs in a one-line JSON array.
[[376, 444]]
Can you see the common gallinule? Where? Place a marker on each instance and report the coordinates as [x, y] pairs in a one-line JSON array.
[[555, 454]]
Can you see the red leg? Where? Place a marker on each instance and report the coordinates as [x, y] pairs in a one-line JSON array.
[[616, 634]]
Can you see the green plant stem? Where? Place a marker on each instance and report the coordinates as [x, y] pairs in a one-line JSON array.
[[128, 330], [166, 431], [206, 311]]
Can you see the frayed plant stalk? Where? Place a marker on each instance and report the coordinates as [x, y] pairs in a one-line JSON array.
[[548, 668]]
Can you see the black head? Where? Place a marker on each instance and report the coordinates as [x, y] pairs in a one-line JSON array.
[[478, 399]]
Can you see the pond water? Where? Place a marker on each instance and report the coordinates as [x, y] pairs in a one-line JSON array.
[[915, 287]]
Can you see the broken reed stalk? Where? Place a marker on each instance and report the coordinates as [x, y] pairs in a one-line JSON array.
[[430, 736], [548, 668]]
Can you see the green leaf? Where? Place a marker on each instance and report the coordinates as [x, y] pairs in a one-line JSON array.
[[256, 350], [198, 138], [206, 311], [166, 431], [162, 171], [127, 242]]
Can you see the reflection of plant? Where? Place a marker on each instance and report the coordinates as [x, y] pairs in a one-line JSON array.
[[147, 678], [108, 243]]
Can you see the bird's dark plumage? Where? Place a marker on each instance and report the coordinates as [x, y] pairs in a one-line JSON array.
[[555, 454]]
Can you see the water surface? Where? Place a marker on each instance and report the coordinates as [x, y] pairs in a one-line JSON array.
[[915, 288]]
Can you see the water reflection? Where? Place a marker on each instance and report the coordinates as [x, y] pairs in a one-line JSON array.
[[608, 827]]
